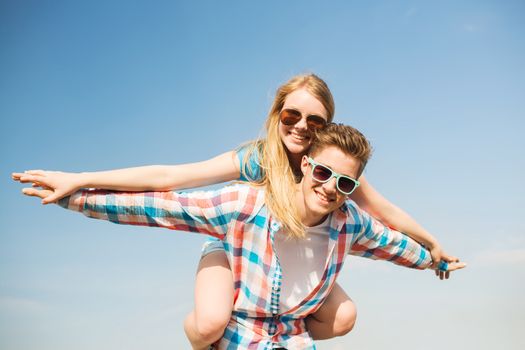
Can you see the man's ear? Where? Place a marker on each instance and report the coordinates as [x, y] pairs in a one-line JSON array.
[[304, 164]]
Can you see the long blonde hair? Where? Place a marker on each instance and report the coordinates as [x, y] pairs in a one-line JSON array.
[[278, 177]]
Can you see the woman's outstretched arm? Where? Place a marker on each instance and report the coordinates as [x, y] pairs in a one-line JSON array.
[[222, 168], [376, 241], [392, 216]]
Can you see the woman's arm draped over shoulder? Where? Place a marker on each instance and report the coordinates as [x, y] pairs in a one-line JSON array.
[[222, 168]]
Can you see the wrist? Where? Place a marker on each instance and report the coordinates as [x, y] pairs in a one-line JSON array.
[[83, 180], [431, 244]]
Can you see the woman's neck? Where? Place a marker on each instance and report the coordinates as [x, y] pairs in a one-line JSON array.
[[295, 164]]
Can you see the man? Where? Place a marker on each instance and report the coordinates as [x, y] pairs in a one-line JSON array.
[[278, 280]]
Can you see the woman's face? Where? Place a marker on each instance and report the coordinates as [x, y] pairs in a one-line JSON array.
[[297, 137]]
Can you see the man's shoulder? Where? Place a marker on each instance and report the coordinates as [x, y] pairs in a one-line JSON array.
[[232, 192], [351, 212], [249, 200], [247, 192], [245, 187]]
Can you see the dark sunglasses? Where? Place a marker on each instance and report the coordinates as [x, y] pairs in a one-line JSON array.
[[292, 116], [322, 173]]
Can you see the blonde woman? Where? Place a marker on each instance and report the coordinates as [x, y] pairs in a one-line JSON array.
[[301, 105]]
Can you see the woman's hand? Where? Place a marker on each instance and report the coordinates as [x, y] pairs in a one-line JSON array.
[[55, 184]]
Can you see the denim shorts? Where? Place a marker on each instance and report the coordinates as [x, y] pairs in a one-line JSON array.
[[211, 245]]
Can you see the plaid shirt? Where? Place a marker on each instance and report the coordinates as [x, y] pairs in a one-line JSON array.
[[237, 215]]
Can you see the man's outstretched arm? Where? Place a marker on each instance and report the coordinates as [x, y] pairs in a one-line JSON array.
[[206, 212], [376, 241]]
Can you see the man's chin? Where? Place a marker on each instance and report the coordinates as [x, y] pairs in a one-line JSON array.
[[320, 211]]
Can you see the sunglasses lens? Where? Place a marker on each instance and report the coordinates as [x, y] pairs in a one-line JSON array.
[[315, 122], [321, 173], [290, 116], [346, 185]]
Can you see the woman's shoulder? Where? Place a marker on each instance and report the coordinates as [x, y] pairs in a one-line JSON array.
[[249, 156]]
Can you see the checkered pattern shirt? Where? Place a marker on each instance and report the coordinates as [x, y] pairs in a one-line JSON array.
[[237, 216]]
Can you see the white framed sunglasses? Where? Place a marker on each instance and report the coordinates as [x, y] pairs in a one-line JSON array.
[[322, 173]]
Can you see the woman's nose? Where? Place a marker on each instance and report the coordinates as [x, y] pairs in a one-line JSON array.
[[301, 124]]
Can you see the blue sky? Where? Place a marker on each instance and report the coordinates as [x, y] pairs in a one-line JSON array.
[[436, 86]]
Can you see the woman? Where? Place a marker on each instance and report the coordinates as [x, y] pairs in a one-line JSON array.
[[301, 105]]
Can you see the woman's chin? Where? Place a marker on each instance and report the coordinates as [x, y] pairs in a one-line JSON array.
[[297, 148]]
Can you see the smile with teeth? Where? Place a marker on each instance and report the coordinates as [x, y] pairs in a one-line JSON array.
[[322, 197], [299, 137]]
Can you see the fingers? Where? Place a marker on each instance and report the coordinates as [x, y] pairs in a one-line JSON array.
[[450, 258], [30, 172], [23, 177], [443, 275], [16, 176], [448, 267], [52, 198], [35, 172], [31, 178], [33, 192], [456, 266]]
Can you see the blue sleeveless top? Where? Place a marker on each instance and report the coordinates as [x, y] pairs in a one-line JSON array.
[[250, 168]]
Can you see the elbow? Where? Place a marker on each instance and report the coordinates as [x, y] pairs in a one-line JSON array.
[[163, 180]]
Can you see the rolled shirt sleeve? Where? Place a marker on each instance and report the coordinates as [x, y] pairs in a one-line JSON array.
[[376, 241], [206, 212]]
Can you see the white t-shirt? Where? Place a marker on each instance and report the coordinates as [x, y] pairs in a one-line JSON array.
[[302, 262]]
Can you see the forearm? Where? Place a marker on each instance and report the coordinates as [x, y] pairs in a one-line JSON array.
[[395, 247], [379, 242], [171, 210], [144, 178], [398, 219], [164, 177]]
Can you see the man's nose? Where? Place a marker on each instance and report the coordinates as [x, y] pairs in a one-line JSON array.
[[330, 186]]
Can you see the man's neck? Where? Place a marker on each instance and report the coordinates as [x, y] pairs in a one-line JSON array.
[[308, 219]]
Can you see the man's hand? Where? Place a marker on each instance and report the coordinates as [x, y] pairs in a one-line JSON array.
[[453, 264]]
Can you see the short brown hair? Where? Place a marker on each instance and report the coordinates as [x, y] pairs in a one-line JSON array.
[[348, 139]]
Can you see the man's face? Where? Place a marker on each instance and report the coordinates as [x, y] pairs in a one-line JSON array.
[[320, 199]]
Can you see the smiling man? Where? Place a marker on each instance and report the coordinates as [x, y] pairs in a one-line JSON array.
[[278, 280]]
